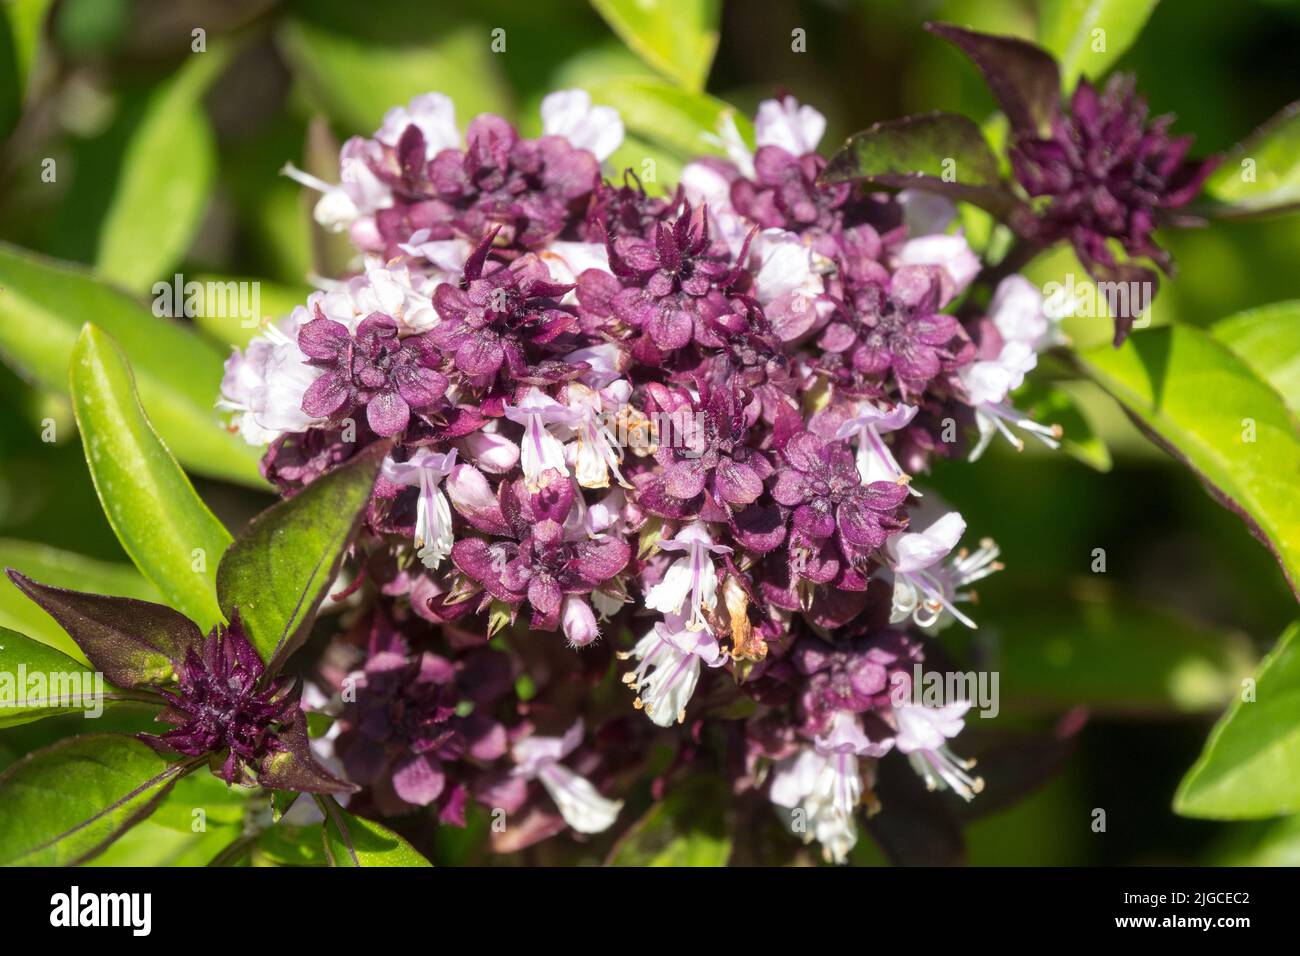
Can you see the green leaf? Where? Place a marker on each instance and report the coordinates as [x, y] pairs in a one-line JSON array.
[[66, 803], [163, 525], [676, 37], [1268, 340], [687, 828], [358, 66], [62, 569], [279, 570], [222, 805], [1068, 28], [355, 841], [167, 175], [1205, 407], [684, 123], [148, 844], [940, 152], [43, 306], [1091, 647], [1261, 174], [1250, 767], [66, 686], [285, 845]]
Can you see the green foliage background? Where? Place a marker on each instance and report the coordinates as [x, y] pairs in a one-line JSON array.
[[168, 162]]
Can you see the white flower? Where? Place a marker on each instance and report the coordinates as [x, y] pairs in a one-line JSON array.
[[433, 113], [359, 193], [490, 450], [265, 383], [568, 260], [426, 469], [1017, 313], [783, 267], [581, 805], [669, 668], [796, 129], [923, 587], [952, 254], [595, 451], [824, 781], [693, 576], [874, 459], [540, 451], [923, 733], [569, 113]]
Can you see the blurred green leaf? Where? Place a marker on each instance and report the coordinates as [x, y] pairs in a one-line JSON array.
[[164, 527], [1090, 647], [1088, 36], [1250, 767], [686, 828], [166, 178], [1277, 845], [18, 650], [355, 841], [281, 567], [676, 37], [43, 305], [1268, 340], [63, 804], [222, 805], [1261, 174], [1204, 406], [66, 570], [285, 845], [358, 67]]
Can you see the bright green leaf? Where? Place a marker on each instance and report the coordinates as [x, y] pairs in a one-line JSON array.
[[164, 527], [355, 841], [66, 570], [676, 37], [166, 178], [65, 686], [285, 845], [1088, 36], [684, 123], [148, 844], [1268, 340], [43, 305], [1250, 767], [1205, 407], [1261, 174], [64, 804], [687, 828], [279, 570]]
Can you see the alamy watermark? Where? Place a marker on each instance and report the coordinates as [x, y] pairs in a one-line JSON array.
[[1085, 298], [941, 688], [212, 298], [75, 690]]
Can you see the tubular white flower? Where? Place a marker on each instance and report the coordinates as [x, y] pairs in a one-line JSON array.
[[540, 450], [581, 805], [923, 733], [669, 668], [426, 469], [693, 576]]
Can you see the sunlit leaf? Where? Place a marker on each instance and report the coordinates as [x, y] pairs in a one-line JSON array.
[[1268, 340], [686, 828], [1088, 36], [1262, 174], [164, 527]]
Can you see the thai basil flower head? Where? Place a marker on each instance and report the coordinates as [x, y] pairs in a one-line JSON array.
[[627, 210], [371, 368], [221, 704], [1110, 173]]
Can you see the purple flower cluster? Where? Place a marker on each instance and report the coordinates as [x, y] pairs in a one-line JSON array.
[[681, 428]]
